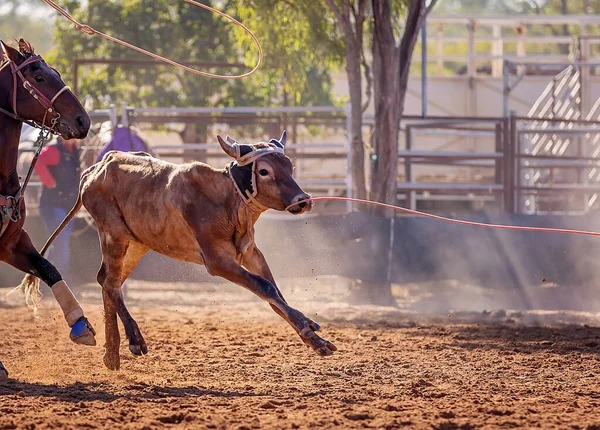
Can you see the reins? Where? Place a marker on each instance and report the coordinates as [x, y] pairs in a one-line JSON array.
[[13, 211], [91, 31]]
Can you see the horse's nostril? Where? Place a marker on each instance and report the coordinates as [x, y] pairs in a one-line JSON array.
[[80, 121], [302, 205]]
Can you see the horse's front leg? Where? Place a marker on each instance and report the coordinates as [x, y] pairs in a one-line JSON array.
[[26, 258]]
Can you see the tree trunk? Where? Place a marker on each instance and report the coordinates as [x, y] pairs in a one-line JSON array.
[[195, 132], [387, 109], [353, 32], [355, 89], [391, 66]]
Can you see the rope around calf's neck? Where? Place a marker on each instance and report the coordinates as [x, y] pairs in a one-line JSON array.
[[451, 220], [91, 31]]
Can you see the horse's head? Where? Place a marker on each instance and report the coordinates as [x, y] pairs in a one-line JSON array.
[[263, 174], [39, 94]]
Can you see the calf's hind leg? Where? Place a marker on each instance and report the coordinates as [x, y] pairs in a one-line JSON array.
[[118, 261]]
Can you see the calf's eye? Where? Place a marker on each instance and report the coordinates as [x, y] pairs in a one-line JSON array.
[[263, 172]]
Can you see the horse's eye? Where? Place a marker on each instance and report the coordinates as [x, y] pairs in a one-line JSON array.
[[263, 172], [39, 78]]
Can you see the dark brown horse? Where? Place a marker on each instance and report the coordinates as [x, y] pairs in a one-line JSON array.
[[33, 92]]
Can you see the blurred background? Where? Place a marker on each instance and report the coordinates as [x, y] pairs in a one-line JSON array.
[[496, 118]]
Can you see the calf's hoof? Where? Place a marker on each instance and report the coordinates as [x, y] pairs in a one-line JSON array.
[[3, 373], [83, 333], [112, 360], [141, 349], [318, 344]]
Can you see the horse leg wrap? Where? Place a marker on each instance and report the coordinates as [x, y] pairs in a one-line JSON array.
[[68, 303]]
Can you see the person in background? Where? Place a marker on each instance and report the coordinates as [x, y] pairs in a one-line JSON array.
[[59, 170]]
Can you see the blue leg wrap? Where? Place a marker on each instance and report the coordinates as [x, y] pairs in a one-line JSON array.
[[82, 332]]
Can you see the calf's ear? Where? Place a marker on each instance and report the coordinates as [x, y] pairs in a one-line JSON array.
[[230, 149]]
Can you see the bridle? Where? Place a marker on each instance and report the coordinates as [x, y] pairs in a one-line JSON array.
[[242, 171], [47, 104], [10, 205]]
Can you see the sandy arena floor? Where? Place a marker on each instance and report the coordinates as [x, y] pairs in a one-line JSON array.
[[221, 359]]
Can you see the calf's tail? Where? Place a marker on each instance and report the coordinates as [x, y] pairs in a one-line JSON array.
[[31, 283]]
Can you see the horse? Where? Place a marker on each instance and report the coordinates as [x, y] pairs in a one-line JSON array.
[[32, 92]]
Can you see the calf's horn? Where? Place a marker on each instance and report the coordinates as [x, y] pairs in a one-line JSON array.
[[283, 138], [230, 149]]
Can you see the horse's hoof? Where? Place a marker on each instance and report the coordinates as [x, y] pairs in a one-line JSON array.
[[83, 333]]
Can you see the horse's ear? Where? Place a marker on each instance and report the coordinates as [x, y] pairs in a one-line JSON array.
[[11, 53], [25, 47]]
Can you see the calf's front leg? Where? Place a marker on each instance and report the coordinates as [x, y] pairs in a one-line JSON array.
[[263, 285]]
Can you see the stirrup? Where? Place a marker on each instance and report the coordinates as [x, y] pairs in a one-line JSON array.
[[83, 333]]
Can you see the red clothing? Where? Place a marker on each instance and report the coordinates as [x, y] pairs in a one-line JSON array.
[[50, 156]]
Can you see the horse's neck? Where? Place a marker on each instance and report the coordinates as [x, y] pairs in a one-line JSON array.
[[10, 132]]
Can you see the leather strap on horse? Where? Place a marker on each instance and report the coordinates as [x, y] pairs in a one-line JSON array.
[[13, 212]]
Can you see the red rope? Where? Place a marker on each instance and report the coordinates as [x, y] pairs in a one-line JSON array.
[[458, 221]]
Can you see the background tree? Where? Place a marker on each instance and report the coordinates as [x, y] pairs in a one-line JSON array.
[[351, 17], [17, 20], [299, 54], [174, 29], [391, 65], [291, 75]]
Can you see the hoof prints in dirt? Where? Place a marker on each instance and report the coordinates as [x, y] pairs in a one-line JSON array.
[[222, 371]]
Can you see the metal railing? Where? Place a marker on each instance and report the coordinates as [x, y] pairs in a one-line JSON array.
[[480, 44], [307, 156]]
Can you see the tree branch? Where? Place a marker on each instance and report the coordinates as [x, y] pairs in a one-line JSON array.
[[430, 7], [369, 79], [414, 19], [344, 21], [346, 9]]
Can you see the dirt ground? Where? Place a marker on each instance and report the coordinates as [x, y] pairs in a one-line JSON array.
[[219, 358]]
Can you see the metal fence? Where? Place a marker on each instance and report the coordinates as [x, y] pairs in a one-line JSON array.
[[514, 164]]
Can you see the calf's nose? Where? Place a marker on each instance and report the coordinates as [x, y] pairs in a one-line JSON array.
[[301, 201]]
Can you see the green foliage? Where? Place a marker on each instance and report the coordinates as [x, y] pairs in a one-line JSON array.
[[16, 23], [300, 49], [174, 29], [298, 55]]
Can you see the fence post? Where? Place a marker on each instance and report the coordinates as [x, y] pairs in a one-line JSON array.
[[408, 172], [124, 114], [349, 177], [513, 166], [506, 89], [498, 165]]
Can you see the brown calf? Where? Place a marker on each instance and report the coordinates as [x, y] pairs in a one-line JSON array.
[[190, 212]]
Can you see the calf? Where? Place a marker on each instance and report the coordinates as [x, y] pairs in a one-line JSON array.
[[190, 212]]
